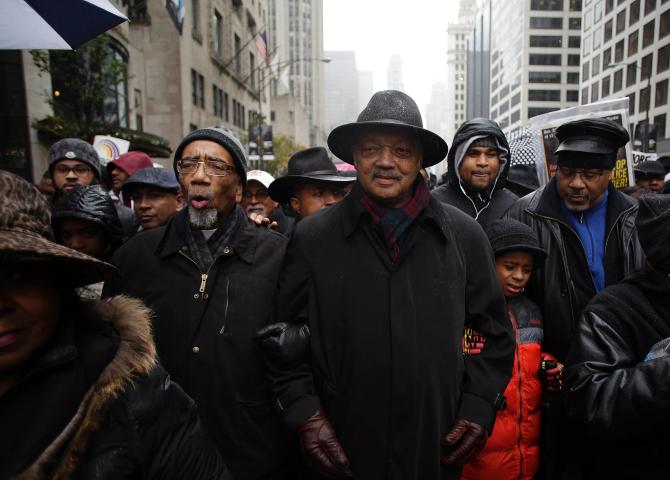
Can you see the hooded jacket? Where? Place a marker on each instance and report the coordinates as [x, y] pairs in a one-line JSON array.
[[91, 204], [95, 405], [484, 206]]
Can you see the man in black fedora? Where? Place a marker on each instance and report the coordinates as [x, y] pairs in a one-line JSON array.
[[387, 280], [650, 174], [311, 183], [588, 229]]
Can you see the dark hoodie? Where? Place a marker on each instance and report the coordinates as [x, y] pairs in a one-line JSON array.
[[487, 205]]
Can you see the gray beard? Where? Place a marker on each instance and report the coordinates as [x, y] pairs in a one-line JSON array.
[[204, 218]]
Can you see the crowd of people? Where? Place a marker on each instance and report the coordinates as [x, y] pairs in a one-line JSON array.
[[210, 322]]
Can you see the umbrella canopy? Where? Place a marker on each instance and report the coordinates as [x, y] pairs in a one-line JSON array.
[[54, 24]]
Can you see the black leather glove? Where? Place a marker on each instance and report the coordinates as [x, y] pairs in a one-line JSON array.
[[467, 439], [322, 449], [284, 343]]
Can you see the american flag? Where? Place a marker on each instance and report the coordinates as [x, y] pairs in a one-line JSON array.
[[262, 47]]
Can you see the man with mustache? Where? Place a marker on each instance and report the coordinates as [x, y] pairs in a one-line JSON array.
[[155, 194], [587, 228], [387, 280], [479, 160], [210, 276]]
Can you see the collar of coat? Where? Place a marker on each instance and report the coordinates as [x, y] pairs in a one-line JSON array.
[[353, 212], [546, 202], [136, 355], [243, 240]]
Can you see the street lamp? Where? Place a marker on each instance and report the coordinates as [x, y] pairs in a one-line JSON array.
[[645, 133], [259, 115]]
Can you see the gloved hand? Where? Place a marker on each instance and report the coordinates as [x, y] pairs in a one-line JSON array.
[[473, 342], [322, 449], [285, 343], [467, 439], [552, 373]]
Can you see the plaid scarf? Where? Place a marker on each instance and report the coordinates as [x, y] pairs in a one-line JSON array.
[[205, 252], [394, 222]]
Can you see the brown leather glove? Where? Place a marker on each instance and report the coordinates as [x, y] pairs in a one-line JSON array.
[[322, 449], [466, 439]]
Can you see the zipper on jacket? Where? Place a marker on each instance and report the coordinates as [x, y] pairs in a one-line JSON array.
[[202, 290], [517, 335], [225, 310]]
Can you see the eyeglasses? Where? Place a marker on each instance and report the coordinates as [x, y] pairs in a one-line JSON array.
[[587, 175], [213, 166], [78, 170], [371, 150], [260, 194]]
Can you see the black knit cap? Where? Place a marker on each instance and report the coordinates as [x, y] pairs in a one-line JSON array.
[[224, 137], [590, 143], [653, 228], [508, 235]]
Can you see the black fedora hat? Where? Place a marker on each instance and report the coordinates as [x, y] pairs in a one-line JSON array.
[[388, 108], [309, 164]]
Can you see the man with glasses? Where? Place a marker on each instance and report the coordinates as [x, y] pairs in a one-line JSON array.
[[209, 275], [587, 228], [73, 163]]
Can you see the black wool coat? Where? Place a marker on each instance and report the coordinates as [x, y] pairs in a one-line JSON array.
[[386, 365], [204, 325], [623, 401]]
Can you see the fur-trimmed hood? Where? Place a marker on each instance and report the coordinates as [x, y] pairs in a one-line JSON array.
[[136, 355]]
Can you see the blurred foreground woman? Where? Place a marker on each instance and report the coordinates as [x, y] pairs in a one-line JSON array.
[[81, 393]]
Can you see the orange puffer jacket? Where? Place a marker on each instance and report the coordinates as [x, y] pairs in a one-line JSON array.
[[513, 450]]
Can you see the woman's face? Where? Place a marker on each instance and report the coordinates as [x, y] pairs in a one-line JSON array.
[[29, 311]]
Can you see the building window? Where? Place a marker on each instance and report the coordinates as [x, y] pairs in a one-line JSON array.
[[574, 60], [225, 106], [621, 21], [607, 57], [546, 23], [649, 6], [572, 95], [574, 42], [664, 25], [573, 78], [553, 5], [648, 34], [631, 74], [646, 64], [605, 90], [585, 71], [218, 33], [609, 6], [535, 111], [575, 5], [594, 92], [516, 98], [544, 59], [608, 31], [595, 65], [237, 53], [544, 95], [575, 23], [544, 77], [632, 43], [618, 51], [515, 116], [644, 100], [631, 103], [195, 17], [659, 121], [634, 15], [252, 67], [618, 80], [661, 93], [550, 41], [585, 95], [663, 59], [194, 87]]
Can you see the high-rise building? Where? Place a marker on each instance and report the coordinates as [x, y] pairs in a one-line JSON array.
[[340, 89], [535, 57], [394, 74], [365, 88], [437, 119], [457, 61], [296, 42], [626, 53], [478, 76]]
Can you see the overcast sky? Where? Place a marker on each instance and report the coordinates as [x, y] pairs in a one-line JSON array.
[[377, 29]]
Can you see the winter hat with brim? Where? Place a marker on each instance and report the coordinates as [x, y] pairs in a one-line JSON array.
[[25, 234], [154, 177], [309, 165], [224, 137], [650, 168], [590, 143], [388, 109], [509, 235], [74, 149], [653, 228]]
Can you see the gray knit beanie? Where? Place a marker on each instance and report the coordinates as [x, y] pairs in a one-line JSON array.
[[74, 149], [224, 137]]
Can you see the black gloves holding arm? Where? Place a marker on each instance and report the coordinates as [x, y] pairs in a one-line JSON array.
[[286, 343]]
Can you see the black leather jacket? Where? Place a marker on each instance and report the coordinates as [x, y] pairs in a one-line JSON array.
[[563, 286]]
